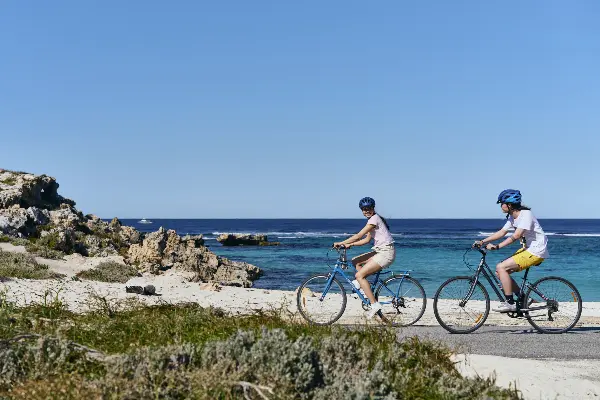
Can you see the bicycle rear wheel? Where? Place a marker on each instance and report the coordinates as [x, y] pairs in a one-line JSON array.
[[321, 301], [561, 304], [454, 311], [403, 300]]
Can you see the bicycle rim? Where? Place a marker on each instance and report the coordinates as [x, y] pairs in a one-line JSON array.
[[317, 308], [456, 315], [403, 300], [563, 305]]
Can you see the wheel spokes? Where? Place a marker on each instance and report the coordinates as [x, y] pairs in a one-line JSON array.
[[318, 303], [557, 306], [403, 301], [456, 309]]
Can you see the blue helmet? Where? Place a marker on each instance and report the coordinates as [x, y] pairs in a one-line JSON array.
[[512, 196], [366, 202]]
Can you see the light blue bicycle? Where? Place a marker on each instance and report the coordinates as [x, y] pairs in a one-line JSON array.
[[322, 299]]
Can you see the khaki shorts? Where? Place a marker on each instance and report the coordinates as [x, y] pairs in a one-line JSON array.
[[384, 256]]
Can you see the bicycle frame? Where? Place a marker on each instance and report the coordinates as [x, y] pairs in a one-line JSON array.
[[485, 270], [342, 263]]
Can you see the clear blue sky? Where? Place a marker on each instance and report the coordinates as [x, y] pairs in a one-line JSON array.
[[227, 109]]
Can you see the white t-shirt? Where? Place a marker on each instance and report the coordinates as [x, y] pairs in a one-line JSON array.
[[381, 235], [535, 238]]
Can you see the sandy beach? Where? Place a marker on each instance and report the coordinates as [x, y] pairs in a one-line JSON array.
[[560, 379]]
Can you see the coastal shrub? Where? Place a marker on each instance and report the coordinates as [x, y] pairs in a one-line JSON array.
[[186, 351], [63, 387], [109, 271], [9, 181], [13, 240], [40, 249], [50, 246], [22, 265], [36, 357]]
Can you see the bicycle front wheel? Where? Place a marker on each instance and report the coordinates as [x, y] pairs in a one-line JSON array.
[[455, 310], [403, 300], [321, 300], [554, 303]]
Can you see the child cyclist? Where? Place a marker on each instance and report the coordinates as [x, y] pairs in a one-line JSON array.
[[382, 256], [533, 240]]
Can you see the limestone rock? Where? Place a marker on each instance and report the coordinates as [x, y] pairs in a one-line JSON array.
[[38, 216], [66, 216], [14, 221], [28, 190], [151, 250], [130, 235], [65, 240], [115, 224], [163, 249], [244, 239]]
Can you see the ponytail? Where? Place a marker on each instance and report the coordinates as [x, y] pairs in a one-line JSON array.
[[385, 222], [517, 207]]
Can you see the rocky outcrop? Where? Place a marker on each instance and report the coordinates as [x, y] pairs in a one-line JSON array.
[[30, 207], [28, 190], [162, 250], [17, 221], [244, 239]]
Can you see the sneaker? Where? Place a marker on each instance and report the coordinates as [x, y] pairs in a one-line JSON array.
[[505, 307], [375, 308]]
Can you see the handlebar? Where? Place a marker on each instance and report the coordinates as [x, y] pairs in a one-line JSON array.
[[341, 251], [480, 249]]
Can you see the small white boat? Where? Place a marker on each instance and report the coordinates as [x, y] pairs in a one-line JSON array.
[[144, 221]]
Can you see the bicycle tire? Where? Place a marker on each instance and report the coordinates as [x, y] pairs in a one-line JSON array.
[[479, 319], [405, 278], [301, 299], [531, 317]]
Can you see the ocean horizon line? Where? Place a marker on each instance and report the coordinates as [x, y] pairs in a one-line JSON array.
[[337, 219]]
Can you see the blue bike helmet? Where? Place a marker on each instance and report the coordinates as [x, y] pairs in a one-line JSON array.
[[511, 196], [366, 202]]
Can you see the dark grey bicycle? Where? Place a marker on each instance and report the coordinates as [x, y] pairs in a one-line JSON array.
[[462, 304]]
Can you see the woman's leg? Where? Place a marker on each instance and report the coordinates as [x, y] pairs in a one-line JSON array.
[[360, 260], [504, 269], [369, 268]]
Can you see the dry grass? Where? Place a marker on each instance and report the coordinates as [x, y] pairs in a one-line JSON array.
[[109, 271], [20, 265]]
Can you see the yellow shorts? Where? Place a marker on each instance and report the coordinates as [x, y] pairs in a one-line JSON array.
[[525, 259]]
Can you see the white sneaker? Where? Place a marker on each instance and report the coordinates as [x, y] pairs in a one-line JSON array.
[[505, 307], [375, 308]]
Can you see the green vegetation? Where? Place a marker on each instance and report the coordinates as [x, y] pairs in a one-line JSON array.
[[20, 265], [9, 181], [13, 240], [189, 352], [45, 247], [109, 271]]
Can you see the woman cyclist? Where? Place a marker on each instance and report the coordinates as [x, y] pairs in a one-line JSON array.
[[382, 256], [533, 239]]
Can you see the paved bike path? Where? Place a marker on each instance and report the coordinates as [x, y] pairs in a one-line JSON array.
[[515, 342]]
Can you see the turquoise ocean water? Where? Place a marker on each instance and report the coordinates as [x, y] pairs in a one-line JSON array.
[[432, 248]]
